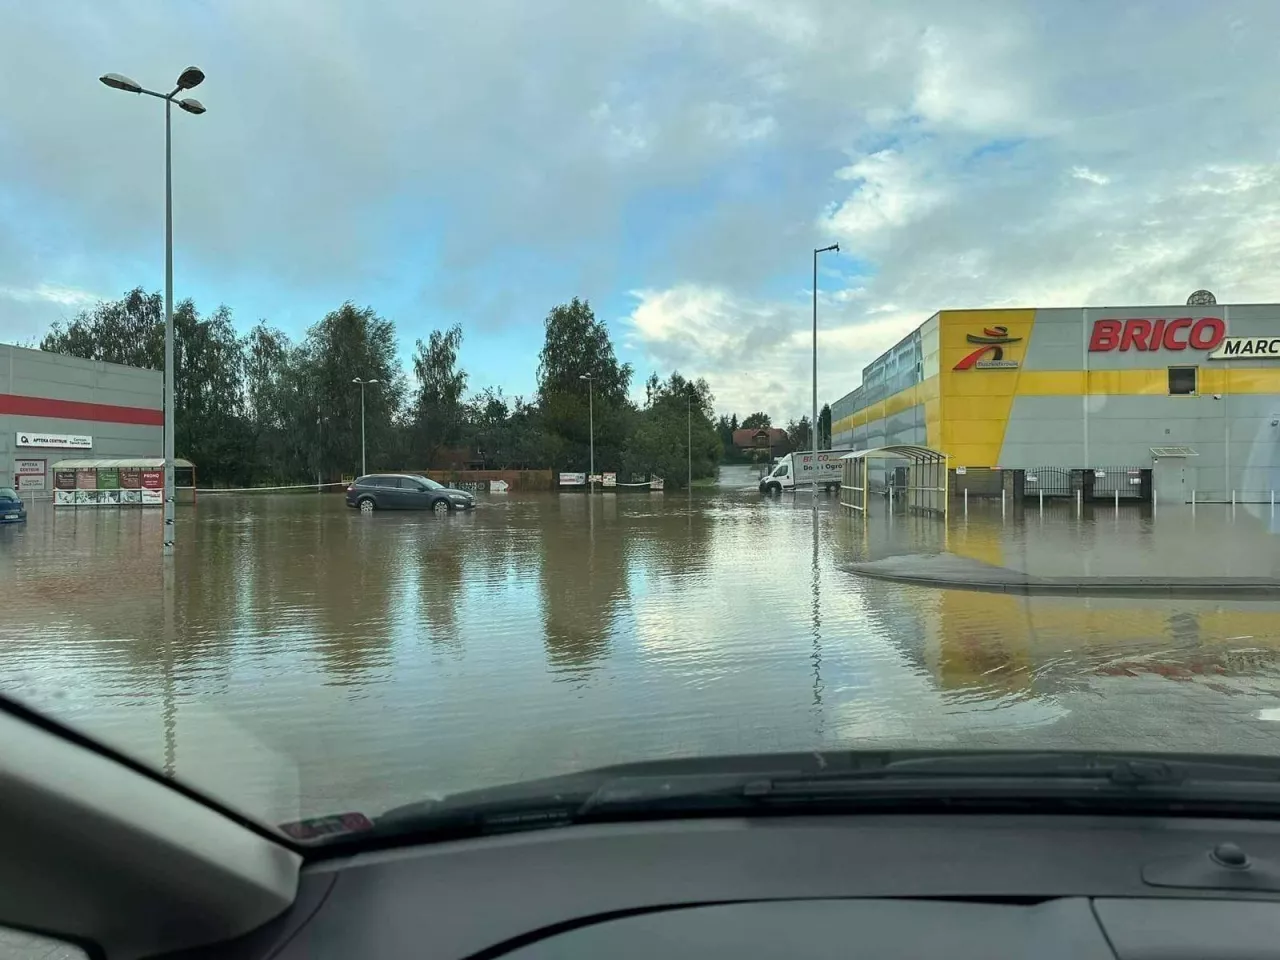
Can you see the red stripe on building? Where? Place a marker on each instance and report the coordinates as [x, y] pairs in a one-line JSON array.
[[21, 406]]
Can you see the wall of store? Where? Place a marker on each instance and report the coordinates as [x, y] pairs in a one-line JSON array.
[[119, 407], [1068, 406]]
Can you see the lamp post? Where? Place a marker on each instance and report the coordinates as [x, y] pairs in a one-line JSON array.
[[591, 420], [813, 422], [189, 78], [364, 462]]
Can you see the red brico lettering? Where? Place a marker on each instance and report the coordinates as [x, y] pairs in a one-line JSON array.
[[1156, 333]]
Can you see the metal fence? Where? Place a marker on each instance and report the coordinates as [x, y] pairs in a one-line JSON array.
[[1130, 482], [1049, 481]]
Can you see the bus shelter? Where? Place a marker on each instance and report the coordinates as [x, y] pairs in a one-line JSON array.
[[926, 489]]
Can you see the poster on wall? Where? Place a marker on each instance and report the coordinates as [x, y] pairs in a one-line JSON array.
[[109, 496], [108, 478], [610, 479], [573, 479], [28, 483], [86, 479], [151, 497], [130, 478], [152, 479], [28, 468], [131, 497], [64, 488], [87, 498], [64, 498]]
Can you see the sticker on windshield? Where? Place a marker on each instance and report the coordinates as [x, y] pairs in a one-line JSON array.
[[330, 826]]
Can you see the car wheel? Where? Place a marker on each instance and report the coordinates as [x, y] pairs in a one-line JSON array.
[[440, 507], [367, 505]]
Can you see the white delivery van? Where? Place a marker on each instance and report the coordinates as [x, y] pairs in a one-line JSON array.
[[800, 469]]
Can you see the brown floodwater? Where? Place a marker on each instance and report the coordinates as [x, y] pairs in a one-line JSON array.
[[307, 658]]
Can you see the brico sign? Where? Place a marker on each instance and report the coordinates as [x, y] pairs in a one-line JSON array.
[[1158, 333]]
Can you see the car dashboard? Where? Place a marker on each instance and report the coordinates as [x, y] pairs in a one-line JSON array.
[[954, 886]]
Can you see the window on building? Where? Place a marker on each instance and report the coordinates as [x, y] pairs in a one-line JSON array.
[[1182, 381]]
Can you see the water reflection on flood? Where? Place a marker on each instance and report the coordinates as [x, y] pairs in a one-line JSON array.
[[319, 659]]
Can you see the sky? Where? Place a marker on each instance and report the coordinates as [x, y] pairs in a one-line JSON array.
[[673, 161]]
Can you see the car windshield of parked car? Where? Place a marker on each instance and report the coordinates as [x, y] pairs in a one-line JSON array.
[[8, 493], [990, 286]]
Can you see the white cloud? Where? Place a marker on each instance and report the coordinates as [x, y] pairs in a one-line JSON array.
[[889, 193], [1092, 176], [758, 354], [50, 293]]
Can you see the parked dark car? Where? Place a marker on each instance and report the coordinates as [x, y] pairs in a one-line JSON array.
[[12, 509], [405, 491]]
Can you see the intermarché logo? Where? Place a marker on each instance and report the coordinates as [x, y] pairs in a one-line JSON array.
[[992, 340]]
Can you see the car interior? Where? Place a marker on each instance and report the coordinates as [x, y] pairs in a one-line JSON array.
[[108, 857]]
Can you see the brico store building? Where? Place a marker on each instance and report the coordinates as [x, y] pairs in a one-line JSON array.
[[1174, 402]]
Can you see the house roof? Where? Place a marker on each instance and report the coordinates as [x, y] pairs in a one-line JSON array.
[[746, 436]]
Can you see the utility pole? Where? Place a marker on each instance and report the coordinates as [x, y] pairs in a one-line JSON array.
[[813, 423], [591, 421], [189, 78]]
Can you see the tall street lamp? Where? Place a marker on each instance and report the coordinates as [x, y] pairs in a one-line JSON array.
[[813, 422], [591, 420], [189, 78], [364, 462]]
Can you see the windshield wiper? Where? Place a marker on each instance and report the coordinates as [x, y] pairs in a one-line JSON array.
[[952, 778], [850, 782]]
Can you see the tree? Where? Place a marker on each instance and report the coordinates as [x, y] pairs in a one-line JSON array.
[[757, 421], [676, 411], [210, 426], [824, 427], [577, 345], [724, 430], [799, 435], [347, 343], [438, 409]]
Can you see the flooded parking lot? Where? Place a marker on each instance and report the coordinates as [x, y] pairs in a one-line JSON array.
[[309, 658]]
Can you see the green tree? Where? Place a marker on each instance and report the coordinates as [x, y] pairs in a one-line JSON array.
[[799, 434], [347, 343], [757, 421], [660, 443], [210, 426], [824, 427], [577, 346], [438, 410]]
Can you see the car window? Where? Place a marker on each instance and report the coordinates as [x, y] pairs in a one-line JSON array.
[[431, 484], [9, 493]]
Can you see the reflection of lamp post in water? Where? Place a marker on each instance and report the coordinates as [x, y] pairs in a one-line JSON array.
[[364, 463], [591, 421]]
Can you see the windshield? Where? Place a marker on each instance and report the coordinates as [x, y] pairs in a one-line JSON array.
[[602, 270], [8, 493]]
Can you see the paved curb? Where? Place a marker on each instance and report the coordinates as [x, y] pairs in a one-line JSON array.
[[1234, 588]]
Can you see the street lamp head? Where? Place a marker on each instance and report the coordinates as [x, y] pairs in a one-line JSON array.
[[585, 376], [192, 106], [834, 246], [119, 81], [190, 77]]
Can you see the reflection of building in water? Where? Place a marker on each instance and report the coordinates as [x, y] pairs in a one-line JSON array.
[[1013, 644]]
